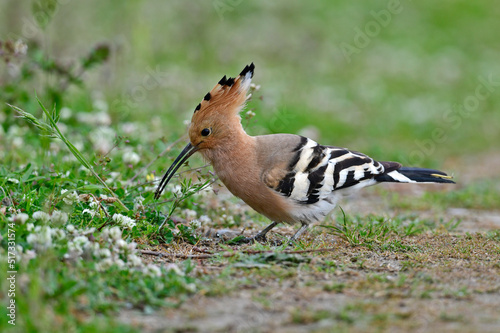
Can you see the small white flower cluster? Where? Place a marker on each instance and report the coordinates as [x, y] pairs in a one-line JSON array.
[[102, 139], [42, 236], [79, 244], [250, 114], [94, 207], [138, 203], [131, 157], [204, 219], [57, 217], [20, 47], [124, 221], [70, 198], [123, 255], [20, 218], [189, 214], [110, 250]]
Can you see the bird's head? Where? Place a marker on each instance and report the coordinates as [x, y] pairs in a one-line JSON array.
[[215, 119]]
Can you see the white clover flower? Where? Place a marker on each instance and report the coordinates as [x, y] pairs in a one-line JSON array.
[[115, 233], [105, 234], [94, 204], [113, 176], [131, 157], [103, 137], [100, 105], [71, 198], [20, 47], [71, 228], [17, 143], [41, 238], [41, 216], [87, 231], [65, 113], [250, 114], [120, 263], [45, 235], [88, 211], [131, 246], [134, 260], [20, 218], [190, 214], [174, 268], [58, 234], [254, 86], [95, 118], [204, 219], [32, 238], [152, 270], [121, 244], [104, 264], [92, 248], [81, 241], [28, 255], [59, 217], [129, 128], [124, 221], [195, 224], [138, 203], [177, 190], [29, 226], [105, 253], [78, 245]]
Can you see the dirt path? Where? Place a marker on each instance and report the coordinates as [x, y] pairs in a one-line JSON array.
[[438, 281]]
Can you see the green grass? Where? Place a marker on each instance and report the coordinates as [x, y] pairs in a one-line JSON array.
[[380, 232]]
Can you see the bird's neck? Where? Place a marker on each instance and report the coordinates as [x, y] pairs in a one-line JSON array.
[[235, 144]]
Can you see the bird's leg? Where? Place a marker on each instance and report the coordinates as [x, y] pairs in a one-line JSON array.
[[261, 236], [299, 232]]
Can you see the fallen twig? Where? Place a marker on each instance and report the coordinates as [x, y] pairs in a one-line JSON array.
[[227, 254]]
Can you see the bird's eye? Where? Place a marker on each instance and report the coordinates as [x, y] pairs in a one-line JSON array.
[[206, 132]]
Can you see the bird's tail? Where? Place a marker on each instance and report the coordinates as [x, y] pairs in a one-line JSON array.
[[414, 175]]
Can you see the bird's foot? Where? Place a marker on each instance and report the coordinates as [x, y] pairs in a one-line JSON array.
[[260, 238], [257, 238]]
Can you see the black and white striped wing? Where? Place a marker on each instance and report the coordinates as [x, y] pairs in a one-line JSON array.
[[316, 171]]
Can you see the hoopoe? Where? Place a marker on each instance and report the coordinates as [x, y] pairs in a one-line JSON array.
[[285, 177]]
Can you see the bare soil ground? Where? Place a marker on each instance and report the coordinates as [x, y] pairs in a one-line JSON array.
[[437, 281]]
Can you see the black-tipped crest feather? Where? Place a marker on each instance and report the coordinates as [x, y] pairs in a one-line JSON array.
[[248, 68]]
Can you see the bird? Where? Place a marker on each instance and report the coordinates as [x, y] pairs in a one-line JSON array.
[[286, 177]]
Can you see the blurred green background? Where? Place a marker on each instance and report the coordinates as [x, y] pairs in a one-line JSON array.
[[399, 80]]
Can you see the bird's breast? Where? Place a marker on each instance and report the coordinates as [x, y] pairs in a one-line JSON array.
[[242, 177]]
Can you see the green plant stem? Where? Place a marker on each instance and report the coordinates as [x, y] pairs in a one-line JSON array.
[[53, 129]]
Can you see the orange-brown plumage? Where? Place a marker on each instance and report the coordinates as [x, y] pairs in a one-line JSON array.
[[219, 111], [232, 152]]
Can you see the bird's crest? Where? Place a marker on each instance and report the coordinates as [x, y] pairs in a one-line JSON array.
[[228, 95]]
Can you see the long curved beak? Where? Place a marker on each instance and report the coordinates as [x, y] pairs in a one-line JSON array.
[[183, 156]]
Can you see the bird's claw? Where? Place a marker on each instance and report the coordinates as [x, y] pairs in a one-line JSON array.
[[250, 240]]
